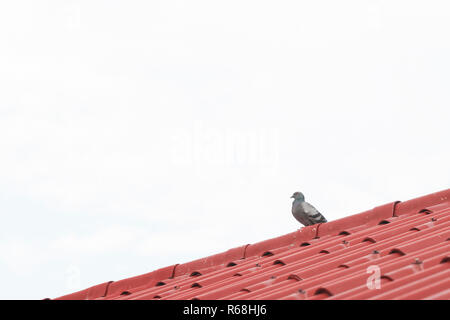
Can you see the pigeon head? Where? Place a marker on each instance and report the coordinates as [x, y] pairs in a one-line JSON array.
[[298, 196]]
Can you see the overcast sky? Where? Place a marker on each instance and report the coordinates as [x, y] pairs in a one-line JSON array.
[[139, 134]]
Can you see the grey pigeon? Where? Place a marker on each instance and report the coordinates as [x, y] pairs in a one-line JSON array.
[[304, 212]]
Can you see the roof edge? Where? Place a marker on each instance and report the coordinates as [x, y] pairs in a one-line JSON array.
[[89, 293]]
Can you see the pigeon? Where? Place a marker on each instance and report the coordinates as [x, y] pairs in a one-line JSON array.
[[304, 212]]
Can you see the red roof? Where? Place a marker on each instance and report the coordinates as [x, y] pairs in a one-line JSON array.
[[399, 250]]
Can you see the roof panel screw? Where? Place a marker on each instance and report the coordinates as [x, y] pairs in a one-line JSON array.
[[375, 252], [433, 219], [417, 261], [301, 291], [344, 241]]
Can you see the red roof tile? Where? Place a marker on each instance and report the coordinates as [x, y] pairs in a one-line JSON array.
[[408, 242]]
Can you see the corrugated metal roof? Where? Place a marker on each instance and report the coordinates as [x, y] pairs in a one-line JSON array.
[[396, 251]]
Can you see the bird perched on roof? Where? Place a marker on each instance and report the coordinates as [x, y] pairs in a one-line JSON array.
[[304, 212]]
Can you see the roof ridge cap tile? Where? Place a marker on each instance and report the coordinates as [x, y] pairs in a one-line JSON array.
[[292, 238], [144, 280], [423, 202], [369, 218], [210, 261], [90, 293]]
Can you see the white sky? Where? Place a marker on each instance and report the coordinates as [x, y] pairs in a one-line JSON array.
[[140, 134]]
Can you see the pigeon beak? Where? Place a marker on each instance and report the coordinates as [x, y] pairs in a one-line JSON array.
[[292, 196]]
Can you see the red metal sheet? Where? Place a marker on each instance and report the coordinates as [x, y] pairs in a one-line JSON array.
[[407, 241]]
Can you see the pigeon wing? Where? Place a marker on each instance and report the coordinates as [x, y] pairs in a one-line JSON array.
[[299, 213], [313, 215]]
